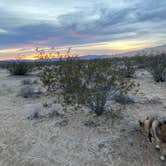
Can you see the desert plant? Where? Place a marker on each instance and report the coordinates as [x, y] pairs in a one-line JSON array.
[[48, 78], [18, 68], [87, 82], [157, 66], [128, 68], [123, 99], [140, 61]]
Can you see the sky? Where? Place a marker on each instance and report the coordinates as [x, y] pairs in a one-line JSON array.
[[88, 26]]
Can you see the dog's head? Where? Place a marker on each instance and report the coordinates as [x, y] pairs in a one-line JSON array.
[[145, 126]]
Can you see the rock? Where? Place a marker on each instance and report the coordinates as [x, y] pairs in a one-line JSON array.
[[130, 141], [33, 141], [62, 123], [89, 123], [56, 110], [34, 111], [101, 145], [134, 126]]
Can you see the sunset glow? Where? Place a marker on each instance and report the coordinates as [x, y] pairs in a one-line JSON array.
[[90, 27]]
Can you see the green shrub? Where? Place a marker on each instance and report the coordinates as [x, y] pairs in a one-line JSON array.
[[140, 61], [157, 66], [86, 82], [18, 68], [48, 78], [128, 68]]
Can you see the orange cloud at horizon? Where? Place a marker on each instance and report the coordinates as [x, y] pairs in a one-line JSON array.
[[33, 57]]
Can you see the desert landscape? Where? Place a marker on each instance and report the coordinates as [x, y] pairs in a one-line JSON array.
[[40, 130], [82, 83]]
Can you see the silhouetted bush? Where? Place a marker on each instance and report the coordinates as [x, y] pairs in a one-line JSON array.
[[19, 68]]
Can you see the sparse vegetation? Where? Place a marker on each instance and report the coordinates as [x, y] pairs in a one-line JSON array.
[[157, 66], [86, 82], [48, 78], [123, 99], [18, 68], [128, 68]]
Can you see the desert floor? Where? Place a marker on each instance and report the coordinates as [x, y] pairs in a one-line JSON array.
[[75, 137]]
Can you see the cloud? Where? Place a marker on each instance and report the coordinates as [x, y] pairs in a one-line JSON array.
[[81, 22], [3, 31]]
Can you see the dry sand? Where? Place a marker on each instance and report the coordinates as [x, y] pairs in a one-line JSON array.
[[65, 140]]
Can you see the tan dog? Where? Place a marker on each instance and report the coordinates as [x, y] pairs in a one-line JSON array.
[[156, 129]]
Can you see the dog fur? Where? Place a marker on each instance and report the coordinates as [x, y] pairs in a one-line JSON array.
[[153, 128]]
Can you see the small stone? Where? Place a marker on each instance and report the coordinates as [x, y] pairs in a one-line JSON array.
[[33, 141], [89, 123], [62, 123], [130, 141]]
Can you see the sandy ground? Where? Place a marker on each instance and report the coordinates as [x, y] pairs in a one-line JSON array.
[[66, 140]]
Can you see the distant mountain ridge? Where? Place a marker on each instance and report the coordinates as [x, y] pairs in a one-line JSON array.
[[146, 51], [87, 57]]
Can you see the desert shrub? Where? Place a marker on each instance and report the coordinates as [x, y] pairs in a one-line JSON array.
[[128, 68], [48, 78], [86, 82], [123, 99], [140, 61], [3, 64], [18, 68], [157, 66], [28, 92]]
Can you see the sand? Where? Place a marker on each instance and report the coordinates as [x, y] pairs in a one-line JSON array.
[[78, 137]]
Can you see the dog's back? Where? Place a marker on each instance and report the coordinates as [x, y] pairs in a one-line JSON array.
[[161, 132], [157, 130]]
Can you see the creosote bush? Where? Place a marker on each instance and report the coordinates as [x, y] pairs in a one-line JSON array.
[[128, 68], [18, 68], [86, 82], [157, 66]]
